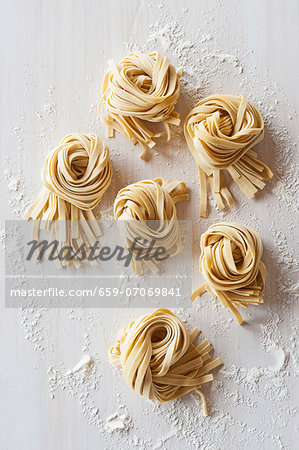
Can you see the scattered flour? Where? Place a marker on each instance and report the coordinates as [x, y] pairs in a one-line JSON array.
[[237, 391], [83, 366], [119, 421]]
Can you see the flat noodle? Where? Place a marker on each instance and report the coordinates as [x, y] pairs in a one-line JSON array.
[[230, 262], [220, 132], [75, 177], [147, 210], [159, 359], [140, 88]]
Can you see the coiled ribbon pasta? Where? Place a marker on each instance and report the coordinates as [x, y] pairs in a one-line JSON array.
[[230, 262], [159, 359], [221, 131], [147, 210], [75, 177], [140, 88]]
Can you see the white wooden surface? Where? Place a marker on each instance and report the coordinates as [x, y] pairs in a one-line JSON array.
[[54, 55]]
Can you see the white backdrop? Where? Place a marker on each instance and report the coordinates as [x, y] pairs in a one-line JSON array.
[[54, 56]]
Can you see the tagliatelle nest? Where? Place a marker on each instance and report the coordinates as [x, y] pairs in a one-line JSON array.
[[231, 264], [221, 131], [141, 88], [159, 359], [147, 210], [75, 176]]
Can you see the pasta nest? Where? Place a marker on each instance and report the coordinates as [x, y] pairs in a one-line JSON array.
[[75, 177], [147, 212], [221, 131], [140, 88], [158, 357], [230, 262]]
